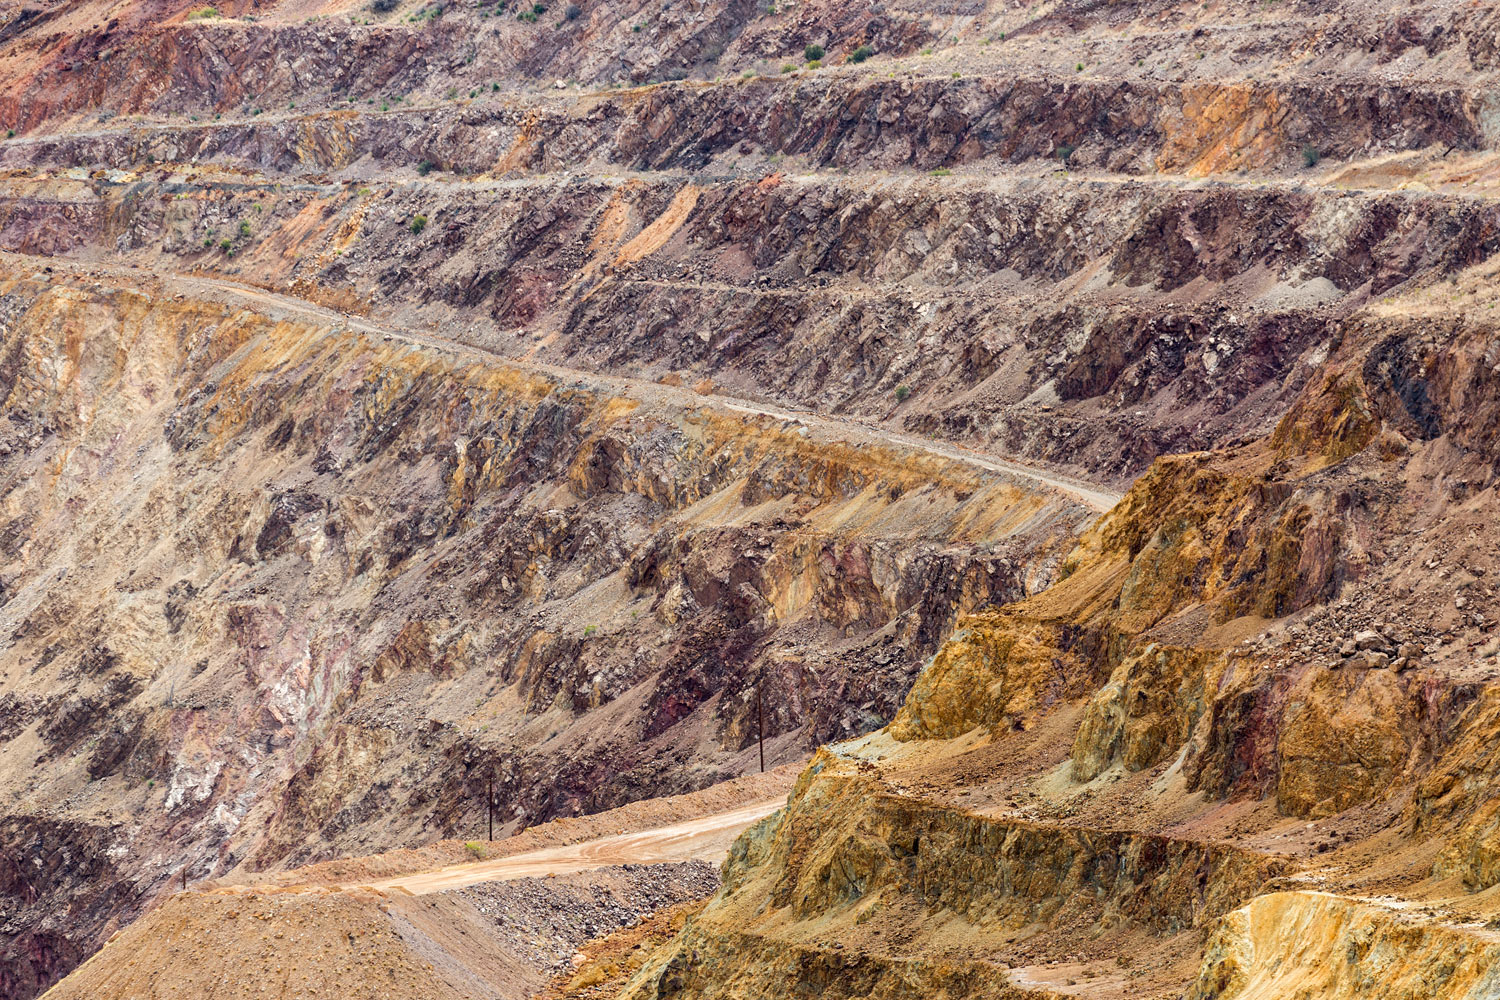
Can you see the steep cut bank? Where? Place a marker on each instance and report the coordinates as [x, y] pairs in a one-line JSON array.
[[276, 591]]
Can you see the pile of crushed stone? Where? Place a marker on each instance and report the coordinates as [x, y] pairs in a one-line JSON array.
[[545, 920]]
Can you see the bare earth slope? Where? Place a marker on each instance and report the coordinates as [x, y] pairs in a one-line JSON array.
[[1077, 419]]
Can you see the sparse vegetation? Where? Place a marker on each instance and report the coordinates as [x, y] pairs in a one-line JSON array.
[[815, 64], [418, 223], [1065, 153], [860, 54], [812, 53], [1310, 155], [384, 6], [244, 228], [476, 850], [203, 12], [902, 391], [572, 12]]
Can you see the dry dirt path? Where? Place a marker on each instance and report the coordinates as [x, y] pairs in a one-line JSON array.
[[1091, 495], [706, 838]]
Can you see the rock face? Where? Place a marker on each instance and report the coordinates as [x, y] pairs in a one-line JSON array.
[[1081, 419]]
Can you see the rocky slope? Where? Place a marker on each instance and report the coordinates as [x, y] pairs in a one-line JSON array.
[[403, 402]]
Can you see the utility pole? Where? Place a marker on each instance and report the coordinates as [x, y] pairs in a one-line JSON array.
[[489, 808], [760, 718]]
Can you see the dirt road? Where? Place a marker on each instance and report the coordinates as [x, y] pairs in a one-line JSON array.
[[1091, 495], [706, 839]]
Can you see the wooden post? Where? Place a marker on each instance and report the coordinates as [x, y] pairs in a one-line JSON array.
[[489, 808], [184, 878], [760, 719]]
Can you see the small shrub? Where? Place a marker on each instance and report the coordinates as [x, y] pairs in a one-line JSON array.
[[208, 241], [941, 172], [539, 9], [789, 68], [418, 223], [225, 245], [860, 54], [528, 16], [813, 53], [1065, 153], [590, 630], [244, 228], [636, 28], [384, 6], [572, 12], [902, 391], [494, 88], [452, 93], [1310, 155], [476, 850], [815, 64], [10, 133], [203, 12], [1078, 68], [473, 93]]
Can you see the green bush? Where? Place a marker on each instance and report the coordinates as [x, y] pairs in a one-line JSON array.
[[384, 6], [572, 12], [902, 391], [418, 223], [860, 54], [1310, 155], [203, 12], [813, 53], [789, 68], [244, 228], [1065, 153], [476, 850], [225, 245]]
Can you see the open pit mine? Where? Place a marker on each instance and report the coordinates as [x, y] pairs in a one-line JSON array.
[[738, 499]]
